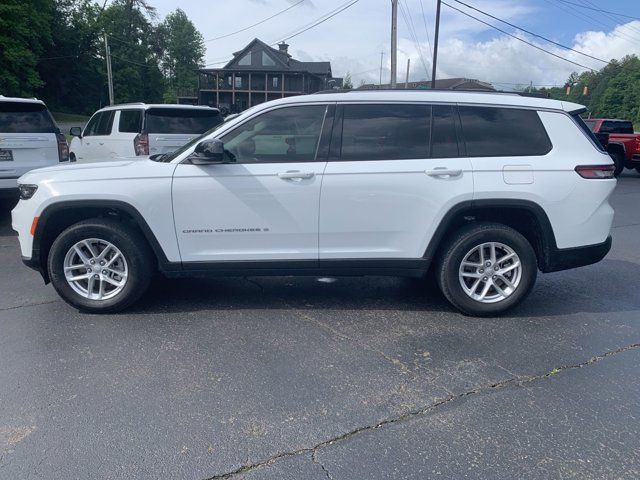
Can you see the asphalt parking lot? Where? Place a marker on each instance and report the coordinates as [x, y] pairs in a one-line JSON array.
[[292, 378]]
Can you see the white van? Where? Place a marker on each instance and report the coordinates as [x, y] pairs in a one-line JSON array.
[[29, 138], [139, 129]]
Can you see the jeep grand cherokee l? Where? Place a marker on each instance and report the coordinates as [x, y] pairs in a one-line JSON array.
[[483, 189]]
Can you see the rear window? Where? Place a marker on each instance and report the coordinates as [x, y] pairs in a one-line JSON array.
[[130, 121], [503, 132], [385, 132], [587, 127], [616, 127], [173, 120], [22, 117]]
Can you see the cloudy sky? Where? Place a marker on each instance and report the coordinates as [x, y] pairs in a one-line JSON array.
[[354, 39]]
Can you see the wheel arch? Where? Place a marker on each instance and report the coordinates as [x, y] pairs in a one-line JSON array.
[[60, 215], [525, 216]]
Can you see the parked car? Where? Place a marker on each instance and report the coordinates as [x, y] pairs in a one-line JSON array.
[[484, 189], [624, 144], [139, 129], [29, 138]]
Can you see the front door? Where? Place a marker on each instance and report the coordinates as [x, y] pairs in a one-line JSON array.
[[263, 205], [394, 171]]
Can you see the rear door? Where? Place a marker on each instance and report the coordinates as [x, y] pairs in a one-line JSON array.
[[394, 170], [27, 139], [170, 128], [127, 124]]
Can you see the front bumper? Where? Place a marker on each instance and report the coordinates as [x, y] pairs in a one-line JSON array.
[[557, 259]]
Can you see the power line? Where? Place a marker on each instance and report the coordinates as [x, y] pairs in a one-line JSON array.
[[426, 29], [257, 23], [616, 20], [529, 32], [517, 38], [599, 10], [304, 28], [406, 16], [312, 25]]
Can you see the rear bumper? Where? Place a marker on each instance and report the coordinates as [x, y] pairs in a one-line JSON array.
[[565, 258]]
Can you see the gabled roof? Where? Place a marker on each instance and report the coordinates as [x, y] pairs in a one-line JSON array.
[[282, 59]]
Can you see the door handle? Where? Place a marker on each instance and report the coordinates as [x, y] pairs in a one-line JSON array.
[[100, 143], [295, 175], [444, 172]]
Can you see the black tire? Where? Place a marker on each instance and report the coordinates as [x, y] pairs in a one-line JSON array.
[[618, 161], [463, 241], [72, 157], [128, 240]]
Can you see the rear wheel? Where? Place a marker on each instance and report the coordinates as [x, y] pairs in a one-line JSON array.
[[487, 269], [619, 161], [100, 265]]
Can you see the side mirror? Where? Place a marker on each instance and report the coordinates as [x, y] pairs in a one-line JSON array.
[[208, 152], [75, 132]]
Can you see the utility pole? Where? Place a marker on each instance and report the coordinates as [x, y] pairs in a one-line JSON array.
[[381, 57], [406, 81], [107, 51], [394, 42], [435, 46]]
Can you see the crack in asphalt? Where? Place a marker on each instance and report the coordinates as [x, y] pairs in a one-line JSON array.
[[15, 307], [314, 459], [517, 380]]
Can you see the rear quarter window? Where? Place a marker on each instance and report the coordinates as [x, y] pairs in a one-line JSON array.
[[130, 121], [503, 132], [23, 117], [174, 120]]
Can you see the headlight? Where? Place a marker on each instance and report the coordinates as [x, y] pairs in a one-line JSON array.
[[27, 191]]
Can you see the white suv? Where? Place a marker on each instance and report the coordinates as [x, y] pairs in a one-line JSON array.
[[29, 138], [138, 129], [484, 189]]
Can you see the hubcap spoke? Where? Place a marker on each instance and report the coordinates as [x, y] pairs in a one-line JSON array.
[[90, 279], [481, 274]]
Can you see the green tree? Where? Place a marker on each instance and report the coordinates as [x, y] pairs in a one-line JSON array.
[[72, 71], [184, 51], [24, 30]]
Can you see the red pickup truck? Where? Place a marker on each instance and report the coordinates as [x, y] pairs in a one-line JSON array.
[[624, 143]]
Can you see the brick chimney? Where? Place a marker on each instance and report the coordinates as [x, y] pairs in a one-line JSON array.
[[283, 47]]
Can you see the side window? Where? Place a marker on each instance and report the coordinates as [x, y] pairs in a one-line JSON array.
[[385, 132], [90, 129], [130, 121], [444, 141], [106, 122], [287, 134], [503, 132]]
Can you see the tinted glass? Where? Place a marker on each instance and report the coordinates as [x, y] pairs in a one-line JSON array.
[[130, 121], [20, 117], [501, 132], [616, 127], [100, 124], [284, 135], [587, 130], [444, 141], [175, 120], [385, 132], [590, 123]]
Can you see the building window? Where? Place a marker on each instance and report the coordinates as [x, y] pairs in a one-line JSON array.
[[267, 61], [275, 81], [246, 60], [238, 82]]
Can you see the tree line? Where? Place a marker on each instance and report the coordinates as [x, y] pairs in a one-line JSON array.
[[55, 50], [612, 92]]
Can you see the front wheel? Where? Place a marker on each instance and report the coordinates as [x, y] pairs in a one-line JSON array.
[[100, 265], [486, 269]]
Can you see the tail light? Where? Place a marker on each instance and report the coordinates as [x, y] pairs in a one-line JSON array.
[[596, 172], [141, 144], [63, 148]]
